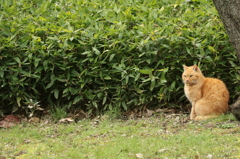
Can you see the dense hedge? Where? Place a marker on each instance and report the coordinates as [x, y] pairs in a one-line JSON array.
[[101, 54]]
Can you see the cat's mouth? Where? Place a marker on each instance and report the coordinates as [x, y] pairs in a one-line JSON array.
[[190, 82], [187, 82]]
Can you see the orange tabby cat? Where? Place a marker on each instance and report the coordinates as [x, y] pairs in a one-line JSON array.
[[208, 96]]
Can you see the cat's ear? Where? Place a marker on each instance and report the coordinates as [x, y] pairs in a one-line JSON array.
[[184, 67], [195, 68]]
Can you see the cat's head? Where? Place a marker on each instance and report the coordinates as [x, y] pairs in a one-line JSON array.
[[192, 75]]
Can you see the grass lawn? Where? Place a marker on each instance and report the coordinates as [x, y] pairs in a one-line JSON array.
[[154, 137]]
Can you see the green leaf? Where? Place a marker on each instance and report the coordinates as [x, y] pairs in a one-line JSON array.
[[15, 108], [77, 99], [149, 71], [19, 101], [209, 58], [1, 74], [161, 9], [146, 80], [45, 65], [124, 105], [107, 78], [56, 93], [65, 90], [97, 52], [137, 77], [104, 100], [49, 85], [173, 85], [139, 90], [17, 59], [127, 79], [152, 84], [38, 69], [111, 57], [94, 104], [99, 95], [30, 56], [36, 62], [211, 48], [163, 80]]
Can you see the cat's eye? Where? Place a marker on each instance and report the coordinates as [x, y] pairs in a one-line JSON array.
[[191, 75]]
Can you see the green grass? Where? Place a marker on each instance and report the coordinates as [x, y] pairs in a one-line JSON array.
[[155, 137]]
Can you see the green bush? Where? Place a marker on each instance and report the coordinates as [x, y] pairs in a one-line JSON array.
[[100, 54]]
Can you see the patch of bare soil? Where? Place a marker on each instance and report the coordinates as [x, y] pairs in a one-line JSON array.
[[177, 117]]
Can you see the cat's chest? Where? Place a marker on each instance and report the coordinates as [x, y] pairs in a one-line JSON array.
[[192, 92]]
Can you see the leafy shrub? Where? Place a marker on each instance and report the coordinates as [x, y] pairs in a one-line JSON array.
[[97, 55]]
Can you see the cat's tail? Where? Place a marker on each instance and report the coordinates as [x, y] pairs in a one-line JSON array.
[[206, 117]]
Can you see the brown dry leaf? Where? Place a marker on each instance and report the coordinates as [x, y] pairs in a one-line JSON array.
[[9, 121], [166, 110], [5, 124], [149, 113], [85, 114], [162, 150], [12, 119], [139, 155], [66, 120], [20, 153], [78, 114], [34, 120], [177, 119], [130, 114], [27, 141], [160, 110]]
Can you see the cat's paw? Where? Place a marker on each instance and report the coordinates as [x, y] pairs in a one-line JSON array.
[[199, 118], [206, 117], [192, 117]]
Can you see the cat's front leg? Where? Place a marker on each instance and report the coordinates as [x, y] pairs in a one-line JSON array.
[[193, 113]]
